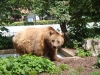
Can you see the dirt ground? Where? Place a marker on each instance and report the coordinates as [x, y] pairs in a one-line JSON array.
[[83, 66], [78, 66]]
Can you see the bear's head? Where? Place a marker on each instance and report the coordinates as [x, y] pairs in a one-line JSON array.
[[56, 40]]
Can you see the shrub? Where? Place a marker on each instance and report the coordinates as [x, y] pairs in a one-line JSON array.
[[26, 65], [6, 43], [97, 65], [95, 73], [80, 69], [43, 22], [78, 31], [21, 23], [82, 53], [73, 72], [40, 22], [74, 42], [63, 67]]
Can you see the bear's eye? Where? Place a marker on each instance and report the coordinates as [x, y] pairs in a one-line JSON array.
[[53, 40]]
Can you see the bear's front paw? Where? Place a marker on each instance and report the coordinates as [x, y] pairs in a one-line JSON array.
[[59, 59]]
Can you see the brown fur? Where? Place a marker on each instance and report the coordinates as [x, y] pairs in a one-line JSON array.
[[38, 41]]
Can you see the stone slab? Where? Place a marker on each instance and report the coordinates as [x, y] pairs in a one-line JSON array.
[[67, 52]]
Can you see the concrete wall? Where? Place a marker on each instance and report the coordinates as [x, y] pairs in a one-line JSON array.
[[14, 29]]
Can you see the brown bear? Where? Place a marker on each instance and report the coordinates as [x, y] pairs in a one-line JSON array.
[[39, 41]]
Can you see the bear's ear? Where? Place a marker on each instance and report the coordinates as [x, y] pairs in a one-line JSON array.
[[62, 34], [51, 32]]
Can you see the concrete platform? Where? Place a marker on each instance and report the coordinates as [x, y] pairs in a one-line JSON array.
[[63, 52]]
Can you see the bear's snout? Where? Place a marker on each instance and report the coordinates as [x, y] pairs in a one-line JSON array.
[[54, 47]]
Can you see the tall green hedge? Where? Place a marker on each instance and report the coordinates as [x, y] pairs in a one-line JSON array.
[[39, 22]]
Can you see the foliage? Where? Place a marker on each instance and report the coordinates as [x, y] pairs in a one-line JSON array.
[[26, 65], [95, 73], [73, 72], [63, 67], [6, 43], [80, 69], [82, 53], [97, 65], [82, 12], [75, 41], [42, 8], [75, 13], [21, 23], [78, 32], [86, 9], [9, 8], [60, 11], [53, 8], [40, 22]]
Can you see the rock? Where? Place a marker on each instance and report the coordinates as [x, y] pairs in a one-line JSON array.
[[87, 44], [67, 52], [93, 45]]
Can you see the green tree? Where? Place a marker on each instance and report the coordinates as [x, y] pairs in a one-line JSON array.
[[42, 7], [11, 7], [53, 8], [60, 10], [75, 13], [7, 9], [83, 12]]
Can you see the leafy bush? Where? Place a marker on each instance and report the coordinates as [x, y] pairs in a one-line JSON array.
[[6, 43], [73, 72], [80, 69], [63, 67], [78, 31], [76, 40], [26, 65], [21, 23], [81, 53], [97, 65], [95, 73], [40, 22]]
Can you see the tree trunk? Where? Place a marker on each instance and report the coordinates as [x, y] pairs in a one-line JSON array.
[[64, 30]]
